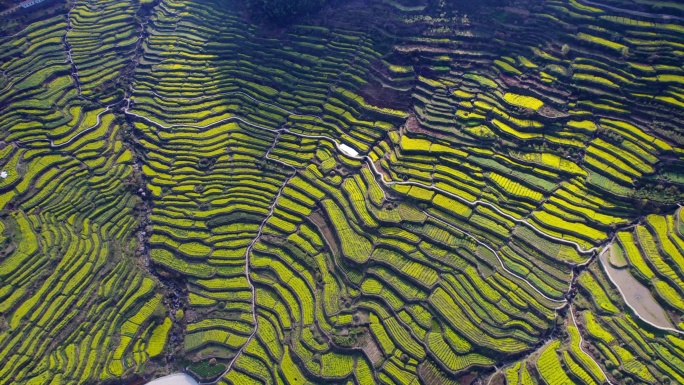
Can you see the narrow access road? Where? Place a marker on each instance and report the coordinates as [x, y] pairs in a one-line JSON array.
[[479, 242], [255, 317], [373, 168], [581, 340], [76, 136]]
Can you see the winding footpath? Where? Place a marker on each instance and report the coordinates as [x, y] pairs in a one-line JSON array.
[[248, 251], [481, 202], [387, 183], [380, 177], [581, 341], [68, 50], [76, 136], [366, 158], [479, 242]]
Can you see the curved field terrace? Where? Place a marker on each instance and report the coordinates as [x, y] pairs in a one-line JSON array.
[[371, 192]]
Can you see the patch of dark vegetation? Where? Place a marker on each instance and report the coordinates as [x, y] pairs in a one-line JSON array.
[[14, 18], [657, 192], [375, 93], [282, 12], [207, 370], [286, 12], [6, 4]]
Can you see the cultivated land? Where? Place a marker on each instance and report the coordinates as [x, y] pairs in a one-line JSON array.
[[387, 192]]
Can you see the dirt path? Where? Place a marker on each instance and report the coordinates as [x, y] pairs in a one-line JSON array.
[[581, 341], [372, 165], [252, 287], [76, 136]]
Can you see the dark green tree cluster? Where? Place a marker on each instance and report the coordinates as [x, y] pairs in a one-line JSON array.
[[283, 11]]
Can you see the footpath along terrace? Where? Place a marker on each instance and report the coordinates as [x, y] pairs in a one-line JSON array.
[[325, 205]]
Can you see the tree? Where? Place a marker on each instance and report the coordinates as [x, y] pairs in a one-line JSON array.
[[624, 52]]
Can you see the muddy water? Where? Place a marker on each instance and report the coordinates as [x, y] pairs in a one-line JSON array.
[[174, 379], [635, 294]]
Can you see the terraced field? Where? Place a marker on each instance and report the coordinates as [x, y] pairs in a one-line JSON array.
[[371, 195], [75, 305]]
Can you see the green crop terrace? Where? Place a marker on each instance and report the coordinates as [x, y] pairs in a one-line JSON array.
[[372, 195]]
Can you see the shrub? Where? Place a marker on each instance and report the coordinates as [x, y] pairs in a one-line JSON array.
[[565, 49], [206, 370]]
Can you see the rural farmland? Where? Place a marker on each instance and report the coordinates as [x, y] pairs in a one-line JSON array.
[[342, 192]]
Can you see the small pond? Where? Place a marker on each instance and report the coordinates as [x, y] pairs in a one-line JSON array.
[[636, 295]]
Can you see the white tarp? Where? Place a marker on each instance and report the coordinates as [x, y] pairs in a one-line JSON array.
[[174, 379], [348, 150]]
